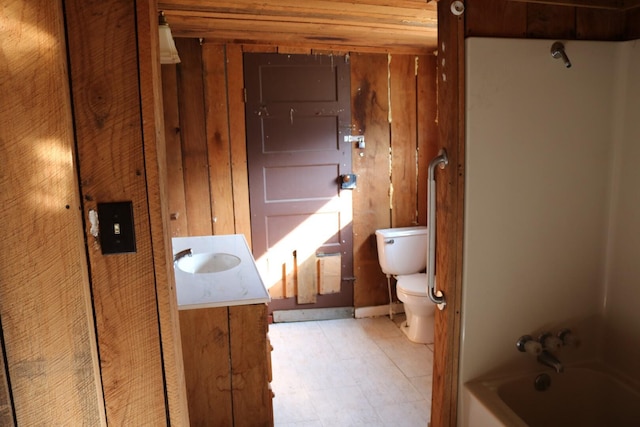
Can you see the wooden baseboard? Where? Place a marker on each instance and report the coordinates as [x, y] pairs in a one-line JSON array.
[[313, 314]]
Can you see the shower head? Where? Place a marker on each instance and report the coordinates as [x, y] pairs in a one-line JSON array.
[[557, 51]]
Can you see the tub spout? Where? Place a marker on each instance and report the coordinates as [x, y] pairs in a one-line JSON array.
[[548, 359]]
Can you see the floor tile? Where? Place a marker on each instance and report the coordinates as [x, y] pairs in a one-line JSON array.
[[349, 372]]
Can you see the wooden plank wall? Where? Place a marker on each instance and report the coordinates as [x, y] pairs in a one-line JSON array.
[[505, 18], [116, 99], [449, 216], [158, 203], [45, 301], [400, 131]]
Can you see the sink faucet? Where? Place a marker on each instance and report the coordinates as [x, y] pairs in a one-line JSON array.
[[548, 359], [182, 254]]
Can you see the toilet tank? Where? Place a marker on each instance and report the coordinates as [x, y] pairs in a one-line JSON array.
[[402, 250]]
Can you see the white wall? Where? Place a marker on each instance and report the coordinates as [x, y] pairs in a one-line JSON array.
[[538, 179], [622, 302]]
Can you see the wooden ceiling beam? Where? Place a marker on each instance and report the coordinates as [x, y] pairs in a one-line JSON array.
[[319, 32], [380, 25]]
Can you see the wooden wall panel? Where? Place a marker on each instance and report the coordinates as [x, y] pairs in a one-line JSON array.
[[450, 216], [371, 203], [404, 172], [6, 404], [427, 127], [107, 104], [173, 144], [632, 27], [218, 146], [194, 138], [237, 134], [157, 195], [599, 24], [45, 301], [507, 18], [496, 18], [547, 21]]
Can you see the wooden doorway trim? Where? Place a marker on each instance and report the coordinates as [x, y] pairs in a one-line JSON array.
[[450, 215]]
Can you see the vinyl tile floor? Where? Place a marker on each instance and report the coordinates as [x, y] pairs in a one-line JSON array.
[[349, 372]]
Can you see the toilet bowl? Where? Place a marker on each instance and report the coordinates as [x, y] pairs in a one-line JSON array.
[[402, 253], [412, 291]]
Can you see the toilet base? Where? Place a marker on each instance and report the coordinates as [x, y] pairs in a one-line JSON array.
[[418, 329]]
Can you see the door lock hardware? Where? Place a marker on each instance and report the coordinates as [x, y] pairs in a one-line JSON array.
[[358, 139]]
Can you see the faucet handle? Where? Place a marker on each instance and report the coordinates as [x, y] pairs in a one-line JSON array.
[[568, 338], [550, 342], [527, 344]]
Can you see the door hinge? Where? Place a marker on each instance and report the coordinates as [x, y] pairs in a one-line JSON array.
[[244, 92]]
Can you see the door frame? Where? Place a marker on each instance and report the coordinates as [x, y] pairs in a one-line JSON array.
[[450, 216]]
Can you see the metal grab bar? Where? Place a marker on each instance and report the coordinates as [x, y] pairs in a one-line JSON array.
[[435, 296]]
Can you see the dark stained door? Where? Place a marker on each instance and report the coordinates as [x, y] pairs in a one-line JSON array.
[[297, 115]]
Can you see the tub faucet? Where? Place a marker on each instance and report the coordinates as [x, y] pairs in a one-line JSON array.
[[182, 254], [548, 359]]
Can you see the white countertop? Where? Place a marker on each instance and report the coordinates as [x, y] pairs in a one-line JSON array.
[[239, 285]]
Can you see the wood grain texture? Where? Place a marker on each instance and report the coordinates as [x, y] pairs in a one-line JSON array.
[[371, 204], [403, 26], [45, 302], [551, 21], [218, 144], [157, 195], [6, 404], [252, 404], [306, 276], [237, 134], [206, 350], [449, 200], [404, 167], [427, 130], [496, 17], [106, 95], [328, 270], [632, 27], [173, 146], [596, 24], [194, 138], [548, 19]]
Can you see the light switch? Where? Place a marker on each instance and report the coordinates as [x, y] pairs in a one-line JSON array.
[[117, 234]]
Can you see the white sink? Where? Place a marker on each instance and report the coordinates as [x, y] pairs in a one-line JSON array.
[[208, 262]]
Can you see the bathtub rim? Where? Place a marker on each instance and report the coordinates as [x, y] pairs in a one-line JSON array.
[[482, 392]]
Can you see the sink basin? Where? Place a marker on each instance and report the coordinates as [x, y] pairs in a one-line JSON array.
[[204, 263]]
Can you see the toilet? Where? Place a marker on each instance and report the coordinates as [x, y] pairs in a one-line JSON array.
[[402, 253]]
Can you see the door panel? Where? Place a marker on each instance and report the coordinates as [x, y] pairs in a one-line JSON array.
[[297, 113]]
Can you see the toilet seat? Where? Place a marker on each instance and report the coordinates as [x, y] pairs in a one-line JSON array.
[[413, 284]]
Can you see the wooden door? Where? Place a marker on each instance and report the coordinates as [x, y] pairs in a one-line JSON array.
[[297, 115]]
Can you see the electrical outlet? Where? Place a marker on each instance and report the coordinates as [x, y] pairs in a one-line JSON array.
[[115, 222]]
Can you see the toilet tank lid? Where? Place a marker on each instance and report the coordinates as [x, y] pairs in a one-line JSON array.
[[402, 231]]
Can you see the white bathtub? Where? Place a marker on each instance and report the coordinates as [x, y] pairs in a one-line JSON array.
[[582, 396]]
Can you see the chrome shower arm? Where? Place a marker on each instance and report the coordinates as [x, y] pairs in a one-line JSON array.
[[557, 51]]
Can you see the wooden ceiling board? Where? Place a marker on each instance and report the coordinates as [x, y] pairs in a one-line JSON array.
[[400, 26]]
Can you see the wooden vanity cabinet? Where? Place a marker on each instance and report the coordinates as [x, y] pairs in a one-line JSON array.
[[227, 365]]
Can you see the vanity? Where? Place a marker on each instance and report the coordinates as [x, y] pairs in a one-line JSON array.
[[223, 324]]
